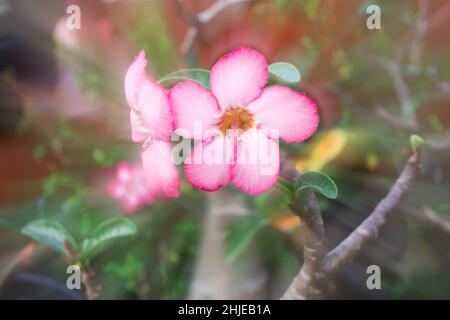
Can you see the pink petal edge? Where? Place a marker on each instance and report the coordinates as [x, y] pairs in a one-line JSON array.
[[239, 77], [294, 115], [160, 168], [154, 108], [133, 78], [202, 171]]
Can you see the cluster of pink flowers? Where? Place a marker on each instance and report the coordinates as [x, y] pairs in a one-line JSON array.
[[245, 116], [132, 188]]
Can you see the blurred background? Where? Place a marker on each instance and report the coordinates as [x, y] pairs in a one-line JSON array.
[[66, 153]]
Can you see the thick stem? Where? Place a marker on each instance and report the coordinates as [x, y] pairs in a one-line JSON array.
[[306, 284], [368, 229], [317, 268], [429, 216], [89, 280]]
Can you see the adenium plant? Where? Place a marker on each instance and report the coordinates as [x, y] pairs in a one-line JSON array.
[[236, 121], [237, 124]]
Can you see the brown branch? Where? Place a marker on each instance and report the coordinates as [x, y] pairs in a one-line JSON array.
[[317, 267], [393, 68], [397, 121], [420, 31], [89, 280], [439, 143], [188, 42], [426, 215], [198, 21], [402, 90], [369, 228], [190, 18], [217, 8], [305, 284]]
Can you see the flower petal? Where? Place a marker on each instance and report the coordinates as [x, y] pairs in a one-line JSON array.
[[257, 162], [153, 105], [139, 131], [290, 112], [123, 172], [194, 109], [116, 190], [208, 167], [132, 188], [130, 204], [239, 77], [159, 167], [134, 77]]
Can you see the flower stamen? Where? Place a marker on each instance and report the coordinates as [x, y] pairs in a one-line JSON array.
[[236, 118]]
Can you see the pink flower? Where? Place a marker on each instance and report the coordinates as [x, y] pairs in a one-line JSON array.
[[246, 119], [132, 188], [151, 123]]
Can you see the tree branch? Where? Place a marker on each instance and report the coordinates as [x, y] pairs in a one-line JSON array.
[[190, 18], [198, 21], [317, 266], [89, 280], [217, 8], [305, 284], [420, 31], [400, 86], [429, 216], [397, 121], [439, 143], [369, 228]]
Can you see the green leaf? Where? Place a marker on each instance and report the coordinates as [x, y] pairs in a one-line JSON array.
[[286, 187], [317, 181], [199, 75], [416, 141], [105, 233], [285, 72], [50, 233], [241, 232]]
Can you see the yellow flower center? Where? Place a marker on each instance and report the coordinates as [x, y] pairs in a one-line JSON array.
[[236, 118]]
